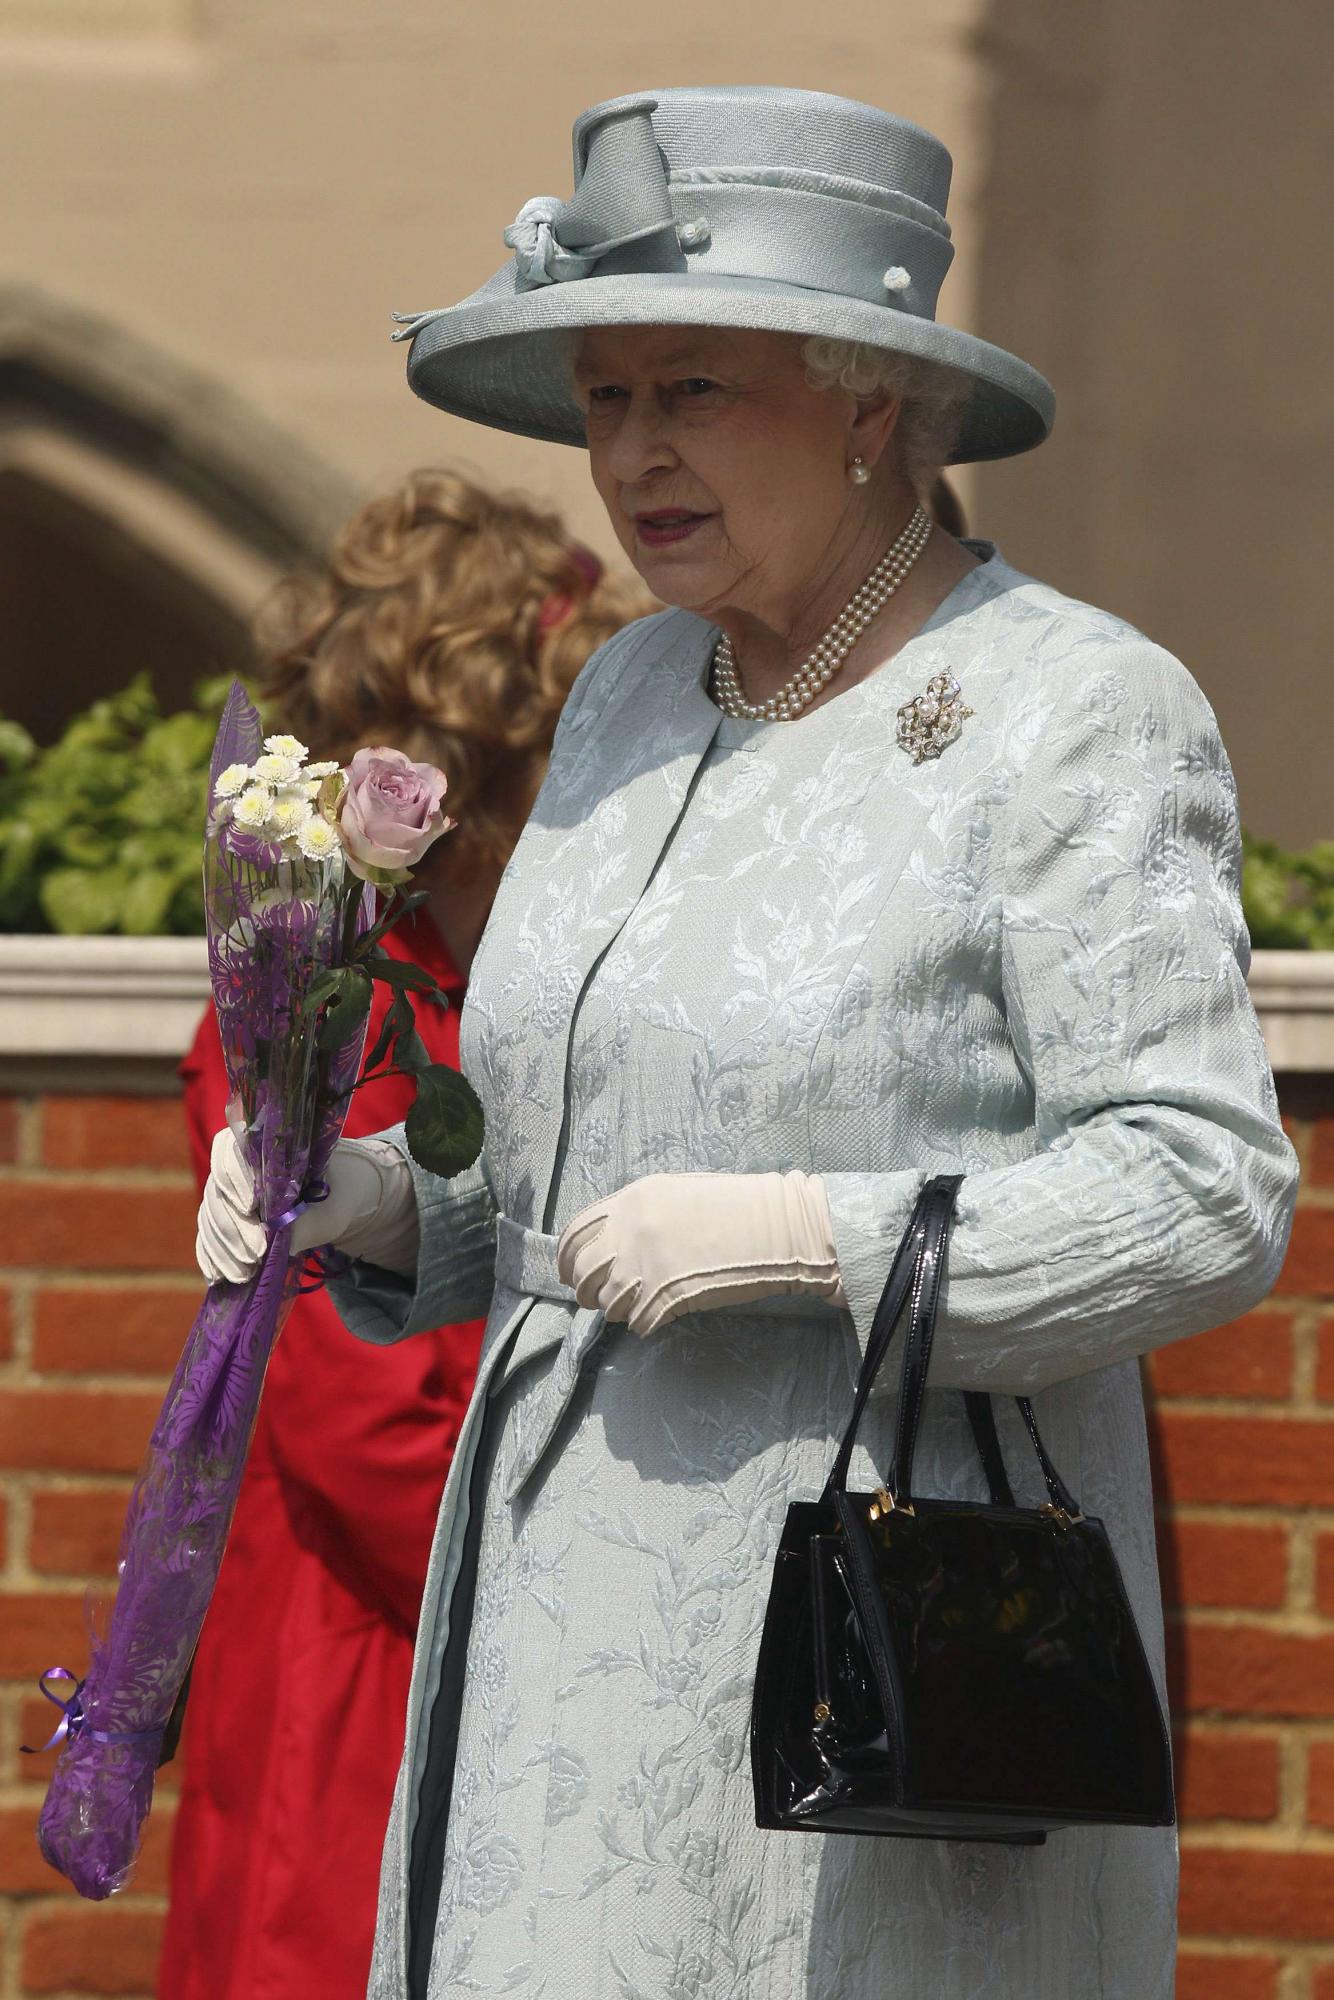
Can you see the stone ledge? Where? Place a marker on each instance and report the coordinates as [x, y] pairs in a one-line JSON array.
[[1293, 993], [98, 1013], [127, 1008]]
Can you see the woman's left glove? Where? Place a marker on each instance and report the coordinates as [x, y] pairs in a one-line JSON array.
[[370, 1211], [676, 1243]]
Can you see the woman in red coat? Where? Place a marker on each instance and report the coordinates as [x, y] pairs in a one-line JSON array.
[[449, 624]]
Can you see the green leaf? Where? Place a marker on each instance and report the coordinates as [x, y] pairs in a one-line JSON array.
[[347, 1000], [444, 1127], [410, 978], [144, 905], [83, 901], [411, 1054], [179, 744], [83, 846], [17, 748]]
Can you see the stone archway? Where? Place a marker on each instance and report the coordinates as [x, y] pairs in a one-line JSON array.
[[144, 511]]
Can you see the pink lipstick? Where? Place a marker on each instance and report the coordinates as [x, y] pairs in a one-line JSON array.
[[662, 525]]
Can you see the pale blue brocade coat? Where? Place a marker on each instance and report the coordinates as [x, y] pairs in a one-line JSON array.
[[734, 947]]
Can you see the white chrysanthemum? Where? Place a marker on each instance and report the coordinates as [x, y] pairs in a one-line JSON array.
[[253, 807], [318, 840], [233, 780], [289, 815], [322, 770], [278, 770], [285, 746]]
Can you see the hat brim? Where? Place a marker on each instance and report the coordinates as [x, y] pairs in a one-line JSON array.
[[501, 356]]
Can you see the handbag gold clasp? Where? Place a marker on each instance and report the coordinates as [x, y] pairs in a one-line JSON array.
[[885, 1504], [1059, 1515]]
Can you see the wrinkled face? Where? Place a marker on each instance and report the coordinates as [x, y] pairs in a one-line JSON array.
[[723, 471]]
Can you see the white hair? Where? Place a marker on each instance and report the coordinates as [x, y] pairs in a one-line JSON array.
[[934, 398]]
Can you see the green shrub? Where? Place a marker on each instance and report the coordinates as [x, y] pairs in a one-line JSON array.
[[1288, 898], [103, 831]]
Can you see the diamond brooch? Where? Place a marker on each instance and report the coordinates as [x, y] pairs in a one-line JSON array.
[[931, 720]]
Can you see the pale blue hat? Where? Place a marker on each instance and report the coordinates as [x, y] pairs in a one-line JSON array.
[[787, 210]]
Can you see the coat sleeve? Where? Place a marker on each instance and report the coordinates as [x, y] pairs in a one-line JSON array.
[[456, 1260], [1159, 1199]]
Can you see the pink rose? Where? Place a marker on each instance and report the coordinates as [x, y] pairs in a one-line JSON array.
[[389, 814]]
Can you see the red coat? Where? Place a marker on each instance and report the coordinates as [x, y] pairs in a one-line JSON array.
[[295, 1716]]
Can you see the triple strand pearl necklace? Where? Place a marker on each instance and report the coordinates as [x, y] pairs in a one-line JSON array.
[[800, 691]]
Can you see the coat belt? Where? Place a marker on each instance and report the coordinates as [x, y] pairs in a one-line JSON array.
[[526, 1267], [526, 1262]]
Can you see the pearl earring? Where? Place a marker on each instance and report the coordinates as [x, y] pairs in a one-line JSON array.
[[859, 472]]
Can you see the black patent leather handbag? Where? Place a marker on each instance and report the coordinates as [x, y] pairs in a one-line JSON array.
[[949, 1669]]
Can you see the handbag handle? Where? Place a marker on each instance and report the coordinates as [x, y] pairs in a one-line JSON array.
[[914, 1280]]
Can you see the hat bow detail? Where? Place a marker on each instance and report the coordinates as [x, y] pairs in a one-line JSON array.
[[622, 196]]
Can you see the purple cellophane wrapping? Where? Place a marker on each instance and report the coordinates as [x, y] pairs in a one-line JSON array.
[[272, 926]]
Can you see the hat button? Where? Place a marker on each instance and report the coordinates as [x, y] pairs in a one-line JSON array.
[[897, 279]]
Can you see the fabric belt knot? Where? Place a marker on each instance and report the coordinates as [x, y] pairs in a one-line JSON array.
[[526, 1265], [526, 1262]]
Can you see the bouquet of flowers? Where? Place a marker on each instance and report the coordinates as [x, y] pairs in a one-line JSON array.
[[294, 855]]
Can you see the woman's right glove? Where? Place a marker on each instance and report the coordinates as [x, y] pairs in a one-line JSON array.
[[370, 1211]]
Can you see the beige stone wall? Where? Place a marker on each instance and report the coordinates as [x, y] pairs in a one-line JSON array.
[[258, 194], [1158, 239]]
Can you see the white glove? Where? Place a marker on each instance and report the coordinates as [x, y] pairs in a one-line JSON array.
[[370, 1210], [676, 1243]]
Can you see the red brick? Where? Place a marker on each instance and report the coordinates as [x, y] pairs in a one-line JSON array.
[[111, 1329], [1224, 1563], [1320, 1159], [1222, 1776], [6, 1324], [1322, 1982], [1241, 1461], [91, 1951], [1320, 1785], [101, 1132], [1251, 1357], [9, 1131], [1249, 1670], [4, 1533], [1324, 1374], [90, 1227], [76, 1430], [1308, 1269], [38, 1630], [77, 1534], [1234, 1976], [1324, 1574], [24, 1871], [1230, 1892]]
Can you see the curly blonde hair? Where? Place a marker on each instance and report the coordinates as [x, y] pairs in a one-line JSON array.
[[449, 622]]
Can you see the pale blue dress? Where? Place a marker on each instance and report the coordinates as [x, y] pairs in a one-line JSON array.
[[738, 946]]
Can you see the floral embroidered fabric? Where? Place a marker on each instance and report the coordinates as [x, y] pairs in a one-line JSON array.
[[734, 946]]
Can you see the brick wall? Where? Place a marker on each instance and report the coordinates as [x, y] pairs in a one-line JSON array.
[[96, 1293], [1243, 1431]]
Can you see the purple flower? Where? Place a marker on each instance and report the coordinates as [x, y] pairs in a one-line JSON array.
[[389, 814]]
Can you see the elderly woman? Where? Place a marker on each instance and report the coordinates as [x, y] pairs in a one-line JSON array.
[[872, 859]]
